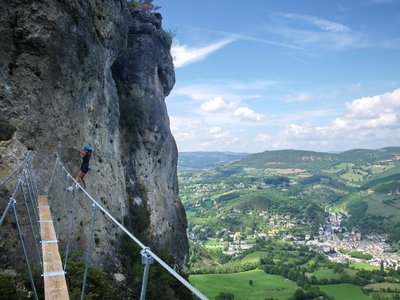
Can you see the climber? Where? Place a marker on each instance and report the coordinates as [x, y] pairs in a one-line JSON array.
[[87, 153]]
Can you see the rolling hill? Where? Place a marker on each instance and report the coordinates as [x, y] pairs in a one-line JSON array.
[[302, 186]]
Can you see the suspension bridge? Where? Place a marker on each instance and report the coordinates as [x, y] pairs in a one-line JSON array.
[[45, 237]]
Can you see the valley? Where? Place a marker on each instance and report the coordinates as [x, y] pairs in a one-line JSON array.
[[345, 207]]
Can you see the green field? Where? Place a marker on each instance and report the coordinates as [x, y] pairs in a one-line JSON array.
[[264, 285], [363, 266], [215, 243], [384, 205], [254, 256], [383, 286], [324, 273], [344, 291]]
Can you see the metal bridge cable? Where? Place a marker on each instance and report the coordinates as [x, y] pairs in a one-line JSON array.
[[35, 237], [13, 174], [71, 218], [5, 211], [159, 260], [24, 249], [33, 185], [13, 204], [88, 251], [33, 203], [52, 174], [63, 208], [15, 190]]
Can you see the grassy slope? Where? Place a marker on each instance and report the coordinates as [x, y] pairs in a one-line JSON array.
[[383, 285], [324, 273], [344, 291], [363, 266], [254, 256], [264, 285]]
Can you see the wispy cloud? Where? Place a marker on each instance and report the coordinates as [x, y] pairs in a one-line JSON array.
[[310, 96], [228, 90], [184, 55], [311, 32], [302, 97], [263, 138], [319, 22], [265, 41], [252, 85]]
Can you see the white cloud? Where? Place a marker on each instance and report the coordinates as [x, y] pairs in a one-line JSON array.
[[245, 113], [216, 105], [369, 118], [322, 34], [232, 141], [303, 97], [263, 138], [218, 133], [252, 85], [320, 23], [311, 96], [228, 90], [375, 105], [215, 130], [264, 41], [198, 134], [356, 87], [200, 91], [184, 55]]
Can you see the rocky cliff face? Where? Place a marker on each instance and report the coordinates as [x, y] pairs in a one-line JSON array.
[[93, 72]]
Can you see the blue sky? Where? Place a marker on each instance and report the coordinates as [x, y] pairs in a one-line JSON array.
[[268, 75]]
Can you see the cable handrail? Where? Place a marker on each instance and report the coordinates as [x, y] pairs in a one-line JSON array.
[[15, 172], [21, 169], [12, 205], [145, 249]]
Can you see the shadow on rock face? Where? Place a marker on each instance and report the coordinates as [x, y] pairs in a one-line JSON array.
[[6, 131]]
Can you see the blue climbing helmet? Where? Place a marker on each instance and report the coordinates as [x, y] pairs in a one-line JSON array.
[[87, 148]]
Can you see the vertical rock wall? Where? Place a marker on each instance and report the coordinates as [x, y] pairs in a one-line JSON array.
[[144, 76], [91, 72]]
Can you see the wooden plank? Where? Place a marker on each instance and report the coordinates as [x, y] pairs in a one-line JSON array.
[[55, 286]]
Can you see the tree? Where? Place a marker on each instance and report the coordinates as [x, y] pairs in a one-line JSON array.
[[251, 282], [298, 295], [225, 296]]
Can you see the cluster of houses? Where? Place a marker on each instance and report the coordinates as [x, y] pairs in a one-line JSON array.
[[332, 240], [338, 246]]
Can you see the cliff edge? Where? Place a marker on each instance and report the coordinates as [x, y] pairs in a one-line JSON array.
[[93, 72]]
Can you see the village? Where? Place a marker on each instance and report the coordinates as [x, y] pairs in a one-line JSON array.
[[332, 240], [338, 248]]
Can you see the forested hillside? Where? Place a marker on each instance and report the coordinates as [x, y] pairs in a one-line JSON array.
[[298, 185]]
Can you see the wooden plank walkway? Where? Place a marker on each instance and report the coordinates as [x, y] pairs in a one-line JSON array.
[[55, 286]]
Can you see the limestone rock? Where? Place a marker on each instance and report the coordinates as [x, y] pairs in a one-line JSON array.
[[92, 72]]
